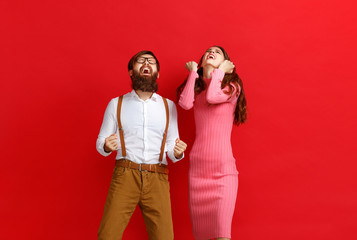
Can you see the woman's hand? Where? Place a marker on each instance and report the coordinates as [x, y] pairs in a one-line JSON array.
[[226, 66], [191, 66]]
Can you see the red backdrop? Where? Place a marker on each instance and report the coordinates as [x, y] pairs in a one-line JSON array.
[[62, 61]]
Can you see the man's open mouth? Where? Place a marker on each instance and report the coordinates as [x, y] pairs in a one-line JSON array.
[[146, 71]]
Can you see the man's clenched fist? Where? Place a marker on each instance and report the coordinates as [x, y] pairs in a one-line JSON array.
[[111, 143]]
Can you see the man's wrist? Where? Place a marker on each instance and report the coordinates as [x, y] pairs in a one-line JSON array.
[[106, 149]]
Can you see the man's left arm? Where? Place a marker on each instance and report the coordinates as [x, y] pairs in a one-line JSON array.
[[175, 147]]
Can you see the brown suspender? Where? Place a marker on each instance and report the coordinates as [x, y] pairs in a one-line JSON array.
[[121, 133], [167, 126]]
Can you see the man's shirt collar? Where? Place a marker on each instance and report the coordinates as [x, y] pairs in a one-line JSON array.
[[154, 96]]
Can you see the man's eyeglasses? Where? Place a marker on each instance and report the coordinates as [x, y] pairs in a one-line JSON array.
[[151, 60]]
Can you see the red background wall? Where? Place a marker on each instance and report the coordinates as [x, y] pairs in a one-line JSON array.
[[62, 61]]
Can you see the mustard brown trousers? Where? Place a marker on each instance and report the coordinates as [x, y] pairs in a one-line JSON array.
[[129, 187]]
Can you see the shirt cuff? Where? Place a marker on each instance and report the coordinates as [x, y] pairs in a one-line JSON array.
[[171, 155], [100, 149]]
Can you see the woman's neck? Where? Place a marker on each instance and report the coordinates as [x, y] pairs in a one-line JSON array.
[[207, 70]]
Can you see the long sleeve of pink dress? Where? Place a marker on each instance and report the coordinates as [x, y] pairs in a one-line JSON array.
[[213, 176]]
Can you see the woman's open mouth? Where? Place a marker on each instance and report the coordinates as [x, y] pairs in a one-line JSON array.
[[210, 56]]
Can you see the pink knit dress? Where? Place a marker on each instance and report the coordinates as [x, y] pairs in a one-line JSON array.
[[213, 176]]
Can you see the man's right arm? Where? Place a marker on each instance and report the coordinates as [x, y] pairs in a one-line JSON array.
[[107, 138]]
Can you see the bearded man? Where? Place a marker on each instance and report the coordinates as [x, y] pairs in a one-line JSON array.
[[142, 127]]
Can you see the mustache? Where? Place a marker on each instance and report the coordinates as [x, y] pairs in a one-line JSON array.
[[146, 66]]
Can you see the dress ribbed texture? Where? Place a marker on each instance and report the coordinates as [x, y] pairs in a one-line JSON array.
[[213, 176]]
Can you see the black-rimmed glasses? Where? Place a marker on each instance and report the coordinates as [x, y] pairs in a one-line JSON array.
[[151, 60]]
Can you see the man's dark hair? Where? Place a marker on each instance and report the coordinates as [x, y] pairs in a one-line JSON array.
[[133, 59]]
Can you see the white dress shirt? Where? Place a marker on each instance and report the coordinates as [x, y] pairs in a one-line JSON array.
[[143, 124]]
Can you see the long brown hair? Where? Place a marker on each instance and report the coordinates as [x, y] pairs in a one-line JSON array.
[[240, 113]]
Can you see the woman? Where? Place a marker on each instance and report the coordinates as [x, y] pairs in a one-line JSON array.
[[215, 91]]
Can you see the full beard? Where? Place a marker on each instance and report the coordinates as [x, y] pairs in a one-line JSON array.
[[144, 83]]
